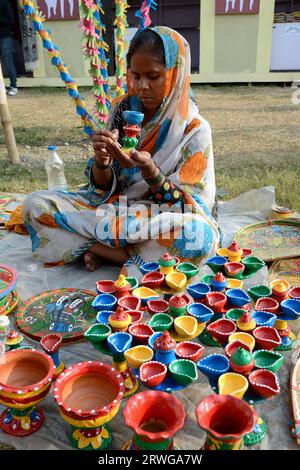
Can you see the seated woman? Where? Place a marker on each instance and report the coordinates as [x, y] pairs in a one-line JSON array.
[[156, 199]]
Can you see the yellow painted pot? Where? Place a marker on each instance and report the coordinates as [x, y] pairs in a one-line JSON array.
[[185, 325], [233, 384], [137, 355], [177, 281], [244, 338]]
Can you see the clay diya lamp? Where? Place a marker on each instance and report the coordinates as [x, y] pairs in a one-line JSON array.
[[232, 347], [246, 322], [119, 320], [51, 345], [222, 252], [145, 294], [164, 347], [122, 287], [213, 366], [97, 334], [13, 340], [189, 350], [183, 371], [157, 306], [153, 280], [234, 313], [270, 360], [234, 270], [130, 302], [189, 269], [247, 252], [103, 316], [217, 263], [266, 337], [252, 265], [259, 291], [280, 289], [294, 293], [89, 395], [201, 312], [133, 282], [221, 329], [140, 332], [265, 383], [241, 361], [149, 267], [235, 283], [137, 355], [176, 281], [166, 264], [178, 304], [245, 338], [219, 283], [233, 384], [25, 380], [153, 373], [267, 304], [154, 417], [234, 252], [216, 301], [105, 287], [238, 298], [104, 302], [226, 420], [198, 291], [136, 316], [186, 326], [118, 343], [161, 322], [291, 309], [264, 318]]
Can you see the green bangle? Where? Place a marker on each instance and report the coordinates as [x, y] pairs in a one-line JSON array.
[[156, 179]]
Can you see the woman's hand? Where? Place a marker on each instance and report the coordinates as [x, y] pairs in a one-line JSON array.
[[135, 158], [100, 141]]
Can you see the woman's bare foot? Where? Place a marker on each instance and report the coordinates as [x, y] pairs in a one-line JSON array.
[[91, 261]]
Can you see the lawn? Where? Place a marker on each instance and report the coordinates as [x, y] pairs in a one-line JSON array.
[[256, 135]]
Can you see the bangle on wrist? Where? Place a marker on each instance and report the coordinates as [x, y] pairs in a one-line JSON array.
[[103, 167], [155, 180]]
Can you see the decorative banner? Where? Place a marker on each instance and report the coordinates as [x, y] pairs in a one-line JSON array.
[[144, 13], [237, 7], [121, 24], [59, 9]]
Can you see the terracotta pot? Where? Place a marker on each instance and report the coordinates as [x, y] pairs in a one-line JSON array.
[[226, 419], [89, 396], [25, 379], [154, 417]]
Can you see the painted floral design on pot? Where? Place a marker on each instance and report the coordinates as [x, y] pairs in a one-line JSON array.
[[155, 417], [226, 420], [89, 395], [25, 380]]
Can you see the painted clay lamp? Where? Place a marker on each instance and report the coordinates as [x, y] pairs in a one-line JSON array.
[[154, 417], [25, 380], [178, 304], [166, 263], [89, 395], [234, 252], [132, 129], [219, 282], [122, 287], [51, 344], [246, 322], [226, 420], [280, 289], [13, 339], [119, 320], [241, 361], [164, 347]]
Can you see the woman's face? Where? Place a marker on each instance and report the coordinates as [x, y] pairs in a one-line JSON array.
[[147, 76]]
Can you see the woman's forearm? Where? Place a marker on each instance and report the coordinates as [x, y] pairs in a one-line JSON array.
[[102, 178]]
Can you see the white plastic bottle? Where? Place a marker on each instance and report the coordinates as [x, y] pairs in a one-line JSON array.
[[55, 171]]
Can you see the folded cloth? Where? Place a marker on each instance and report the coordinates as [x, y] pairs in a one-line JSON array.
[[16, 221]]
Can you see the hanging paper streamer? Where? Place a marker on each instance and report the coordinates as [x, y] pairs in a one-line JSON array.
[[37, 18], [144, 13], [121, 24], [94, 48]]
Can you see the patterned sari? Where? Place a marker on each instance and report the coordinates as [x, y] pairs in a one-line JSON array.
[[63, 226]]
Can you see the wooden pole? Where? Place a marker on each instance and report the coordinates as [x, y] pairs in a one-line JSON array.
[[6, 123]]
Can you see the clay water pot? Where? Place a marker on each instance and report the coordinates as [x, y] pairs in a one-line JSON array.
[[25, 380], [89, 395]]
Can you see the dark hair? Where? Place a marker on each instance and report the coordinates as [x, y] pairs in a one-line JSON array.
[[149, 40]]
